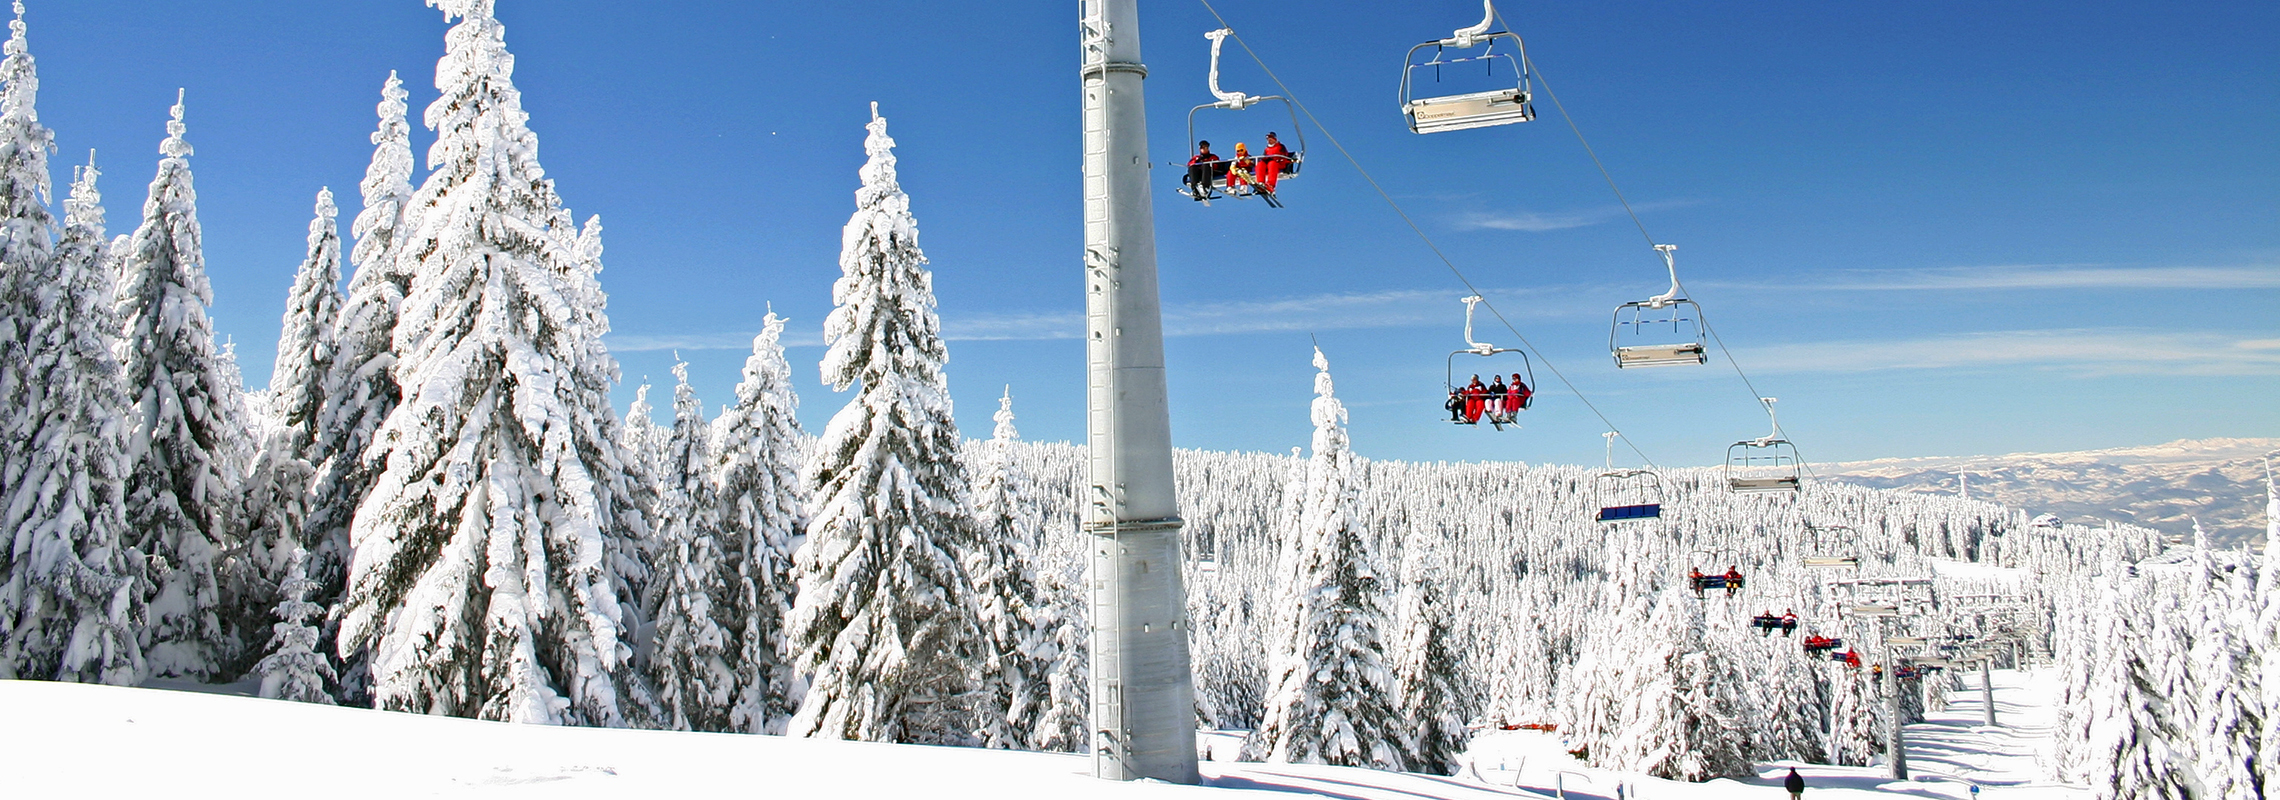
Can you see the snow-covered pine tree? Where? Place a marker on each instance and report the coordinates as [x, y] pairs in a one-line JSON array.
[[2229, 708], [187, 428], [1426, 670], [690, 661], [1061, 726], [2135, 744], [1016, 687], [757, 450], [642, 441], [71, 598], [1332, 701], [2265, 647], [27, 233], [294, 670], [884, 622], [278, 482], [480, 583], [305, 347], [360, 387]]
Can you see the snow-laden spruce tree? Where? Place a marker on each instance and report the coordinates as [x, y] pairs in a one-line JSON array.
[[2137, 749], [691, 656], [884, 624], [1061, 727], [2266, 643], [2228, 704], [278, 482], [1676, 717], [360, 385], [27, 227], [71, 595], [480, 583], [294, 670], [186, 432], [757, 450], [642, 442], [306, 345], [1332, 700], [1426, 670], [1016, 687]]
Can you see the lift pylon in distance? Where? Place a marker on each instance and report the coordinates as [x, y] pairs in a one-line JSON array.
[[1643, 340], [1496, 401], [1229, 174], [1768, 463], [1438, 110]]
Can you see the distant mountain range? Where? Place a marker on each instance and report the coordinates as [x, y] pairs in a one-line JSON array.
[[2164, 486]]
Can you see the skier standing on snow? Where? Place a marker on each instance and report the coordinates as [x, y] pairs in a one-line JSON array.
[[1795, 783]]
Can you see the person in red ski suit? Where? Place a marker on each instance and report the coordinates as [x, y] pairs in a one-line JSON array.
[[1476, 397], [1733, 580], [1516, 397], [1273, 161]]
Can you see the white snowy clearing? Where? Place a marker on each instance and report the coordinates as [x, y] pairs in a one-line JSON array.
[[193, 744]]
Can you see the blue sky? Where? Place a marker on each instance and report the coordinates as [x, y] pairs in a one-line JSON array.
[[1930, 229]]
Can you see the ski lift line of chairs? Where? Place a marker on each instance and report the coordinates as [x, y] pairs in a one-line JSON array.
[[1468, 405], [1681, 345], [1227, 177], [1436, 112], [1766, 464]]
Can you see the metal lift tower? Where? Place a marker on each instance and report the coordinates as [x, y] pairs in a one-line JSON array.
[[1143, 702]]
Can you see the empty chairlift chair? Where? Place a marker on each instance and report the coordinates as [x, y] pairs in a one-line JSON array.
[[1493, 100], [1765, 464], [1665, 330], [1626, 495]]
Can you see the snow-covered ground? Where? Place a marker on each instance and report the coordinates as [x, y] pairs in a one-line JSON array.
[[99, 741]]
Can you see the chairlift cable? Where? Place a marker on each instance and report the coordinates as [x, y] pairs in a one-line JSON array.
[[1421, 235], [1642, 226]]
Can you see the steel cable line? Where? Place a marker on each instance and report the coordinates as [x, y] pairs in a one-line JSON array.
[[1755, 395], [1421, 235]]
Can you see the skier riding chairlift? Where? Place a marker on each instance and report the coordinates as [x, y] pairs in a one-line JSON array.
[[1498, 401], [1241, 176]]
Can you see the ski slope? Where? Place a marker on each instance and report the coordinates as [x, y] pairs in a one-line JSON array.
[[79, 740]]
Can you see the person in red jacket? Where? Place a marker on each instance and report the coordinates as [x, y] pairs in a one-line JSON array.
[[1516, 398], [1476, 397], [1273, 162], [1205, 166]]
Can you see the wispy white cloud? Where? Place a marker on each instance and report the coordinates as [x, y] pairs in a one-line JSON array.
[[2041, 276], [2084, 351], [1322, 312], [1539, 222], [734, 340]]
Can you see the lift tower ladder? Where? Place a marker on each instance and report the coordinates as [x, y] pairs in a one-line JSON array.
[[1143, 699]]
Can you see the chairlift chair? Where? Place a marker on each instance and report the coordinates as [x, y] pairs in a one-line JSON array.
[[1626, 495], [1499, 105], [1498, 410], [1822, 533], [1224, 180], [1649, 344], [1766, 464]]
